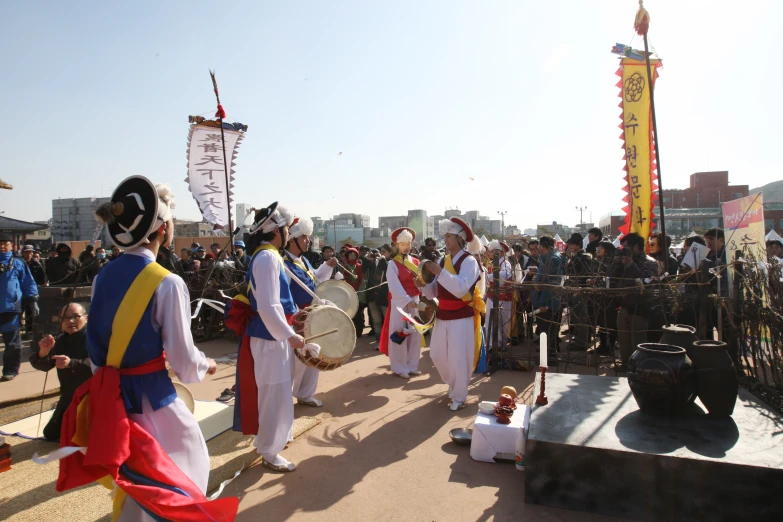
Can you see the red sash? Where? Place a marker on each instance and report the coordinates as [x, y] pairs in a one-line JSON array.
[[451, 307], [114, 441], [408, 281]]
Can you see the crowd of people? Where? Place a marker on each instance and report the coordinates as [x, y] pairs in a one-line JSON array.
[[496, 294]]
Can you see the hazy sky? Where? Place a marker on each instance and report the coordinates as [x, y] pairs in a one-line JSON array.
[[417, 95]]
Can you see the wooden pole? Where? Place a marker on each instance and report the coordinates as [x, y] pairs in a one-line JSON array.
[[662, 216], [219, 115]]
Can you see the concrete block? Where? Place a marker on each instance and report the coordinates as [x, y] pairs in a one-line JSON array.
[[591, 449]]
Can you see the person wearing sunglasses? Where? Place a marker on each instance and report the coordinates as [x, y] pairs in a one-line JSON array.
[[67, 353]]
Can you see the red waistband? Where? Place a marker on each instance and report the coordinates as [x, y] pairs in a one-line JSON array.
[[450, 305], [155, 365]]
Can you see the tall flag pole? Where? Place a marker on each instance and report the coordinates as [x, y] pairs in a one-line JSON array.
[[642, 25], [220, 115], [210, 171]]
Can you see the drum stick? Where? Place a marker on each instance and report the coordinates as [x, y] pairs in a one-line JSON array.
[[322, 334]]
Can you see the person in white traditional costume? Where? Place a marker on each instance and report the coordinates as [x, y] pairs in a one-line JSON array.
[[399, 339], [271, 337], [505, 295], [305, 378], [456, 336], [139, 220]]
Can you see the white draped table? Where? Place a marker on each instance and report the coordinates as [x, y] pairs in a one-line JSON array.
[[493, 440]]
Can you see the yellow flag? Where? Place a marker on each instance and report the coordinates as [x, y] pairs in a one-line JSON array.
[[639, 152]]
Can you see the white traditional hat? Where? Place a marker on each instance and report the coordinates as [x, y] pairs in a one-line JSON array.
[[301, 227], [403, 235], [459, 228], [498, 245]]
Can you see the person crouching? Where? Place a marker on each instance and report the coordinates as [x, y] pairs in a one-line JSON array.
[[67, 353]]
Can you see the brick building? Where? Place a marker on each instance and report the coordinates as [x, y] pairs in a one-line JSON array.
[[707, 190]]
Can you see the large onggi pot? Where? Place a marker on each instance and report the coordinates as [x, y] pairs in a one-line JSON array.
[[684, 336], [716, 378], [681, 335], [660, 378]]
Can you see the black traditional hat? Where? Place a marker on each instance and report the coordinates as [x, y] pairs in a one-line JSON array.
[[132, 214], [275, 215], [261, 217]]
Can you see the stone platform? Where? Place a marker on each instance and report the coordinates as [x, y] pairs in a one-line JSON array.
[[591, 449]]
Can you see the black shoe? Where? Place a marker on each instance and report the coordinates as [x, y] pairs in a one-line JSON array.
[[226, 396], [6, 378]]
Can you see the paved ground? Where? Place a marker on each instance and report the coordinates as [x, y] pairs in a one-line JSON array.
[[382, 452]]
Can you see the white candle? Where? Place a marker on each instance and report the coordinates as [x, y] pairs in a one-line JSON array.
[[544, 358]]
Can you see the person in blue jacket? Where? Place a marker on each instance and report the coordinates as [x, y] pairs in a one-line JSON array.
[[16, 282]]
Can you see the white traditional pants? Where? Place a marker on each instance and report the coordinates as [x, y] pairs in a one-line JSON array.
[[504, 322], [178, 433], [305, 379], [452, 352], [275, 408], [403, 357]]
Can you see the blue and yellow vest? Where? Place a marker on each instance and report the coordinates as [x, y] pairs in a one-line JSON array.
[[303, 270], [256, 327], [146, 344]]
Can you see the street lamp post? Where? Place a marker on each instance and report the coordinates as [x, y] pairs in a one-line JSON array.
[[502, 215], [581, 221]]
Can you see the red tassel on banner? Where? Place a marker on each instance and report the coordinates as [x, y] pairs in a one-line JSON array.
[[221, 112], [642, 22]]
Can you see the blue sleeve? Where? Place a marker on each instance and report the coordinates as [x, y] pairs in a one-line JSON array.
[[29, 288]]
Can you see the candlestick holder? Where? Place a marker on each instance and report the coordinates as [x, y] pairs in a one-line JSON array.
[[542, 400]]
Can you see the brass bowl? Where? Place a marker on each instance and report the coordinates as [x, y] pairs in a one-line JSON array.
[[461, 436]]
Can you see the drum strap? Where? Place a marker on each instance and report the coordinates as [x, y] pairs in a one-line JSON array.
[[131, 310], [265, 246], [298, 262], [408, 263], [476, 301]]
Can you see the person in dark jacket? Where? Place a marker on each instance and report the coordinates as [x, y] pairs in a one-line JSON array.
[[430, 252], [594, 236], [662, 255], [36, 267], [68, 353], [241, 258], [605, 305], [550, 272], [89, 266], [578, 269], [380, 302], [39, 275], [63, 269], [632, 266]]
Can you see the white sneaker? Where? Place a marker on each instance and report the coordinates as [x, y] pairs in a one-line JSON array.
[[404, 375], [456, 405]]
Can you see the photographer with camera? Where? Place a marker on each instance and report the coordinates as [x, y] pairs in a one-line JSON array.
[[16, 282]]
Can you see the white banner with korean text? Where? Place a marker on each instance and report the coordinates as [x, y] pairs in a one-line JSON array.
[[206, 171]]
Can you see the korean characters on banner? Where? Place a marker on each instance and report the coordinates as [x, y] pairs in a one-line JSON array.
[[743, 222], [206, 171], [641, 178]]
